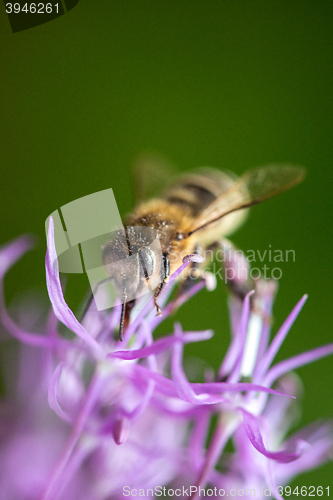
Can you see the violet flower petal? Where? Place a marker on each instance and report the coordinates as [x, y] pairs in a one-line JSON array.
[[198, 440], [152, 361], [276, 343], [161, 345], [320, 438], [28, 337], [230, 357], [61, 309], [144, 402], [164, 384], [296, 361], [156, 348], [9, 255], [212, 387], [121, 430], [52, 395], [183, 386], [253, 432], [240, 337], [281, 413], [267, 306], [54, 484], [270, 479], [175, 304], [12, 252]]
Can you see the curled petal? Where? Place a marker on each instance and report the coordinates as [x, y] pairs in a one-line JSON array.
[[61, 309], [319, 435], [121, 430], [253, 432], [183, 386], [52, 395]]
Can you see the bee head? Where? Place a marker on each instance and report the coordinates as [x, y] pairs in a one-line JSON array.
[[131, 259]]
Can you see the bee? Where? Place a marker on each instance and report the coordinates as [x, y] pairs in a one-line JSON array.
[[194, 211]]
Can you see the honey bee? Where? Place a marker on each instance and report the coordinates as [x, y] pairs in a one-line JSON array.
[[196, 210]]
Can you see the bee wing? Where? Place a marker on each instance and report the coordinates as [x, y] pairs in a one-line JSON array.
[[253, 187], [151, 175]]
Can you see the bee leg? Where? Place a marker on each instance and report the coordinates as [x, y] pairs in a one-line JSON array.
[[126, 309], [91, 296], [156, 294], [122, 321], [165, 273]]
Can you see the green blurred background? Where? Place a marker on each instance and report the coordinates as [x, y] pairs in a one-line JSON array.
[[233, 84]]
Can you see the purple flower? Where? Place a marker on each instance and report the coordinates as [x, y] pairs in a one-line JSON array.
[[92, 415]]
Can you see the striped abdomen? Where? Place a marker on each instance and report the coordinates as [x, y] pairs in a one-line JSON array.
[[197, 190]]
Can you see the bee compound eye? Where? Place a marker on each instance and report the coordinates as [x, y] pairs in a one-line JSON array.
[[147, 261]]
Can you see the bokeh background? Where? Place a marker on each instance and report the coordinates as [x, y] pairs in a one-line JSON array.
[[233, 84]]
